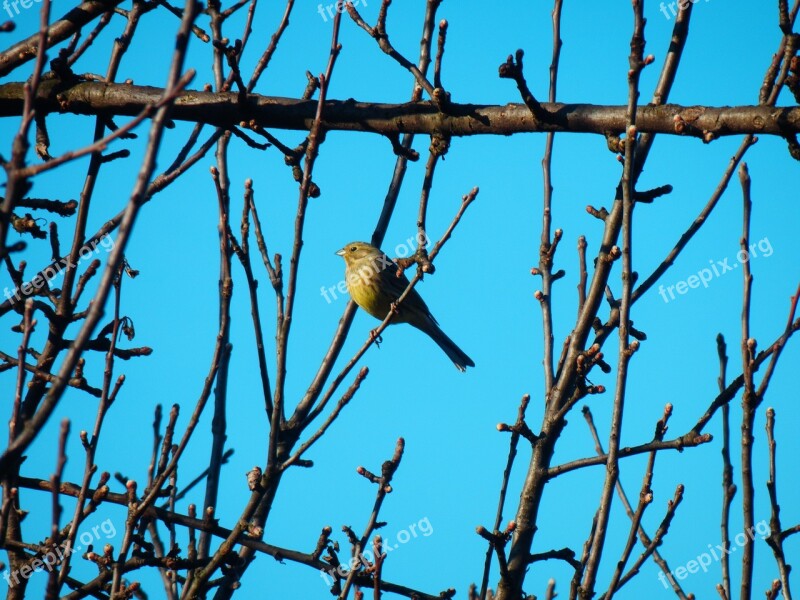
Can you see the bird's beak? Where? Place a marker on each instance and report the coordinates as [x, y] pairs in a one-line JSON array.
[[340, 252]]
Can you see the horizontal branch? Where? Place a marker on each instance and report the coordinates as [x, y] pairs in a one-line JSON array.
[[690, 440], [173, 518], [226, 109]]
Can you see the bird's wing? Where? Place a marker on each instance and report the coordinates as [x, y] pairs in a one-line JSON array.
[[413, 309]]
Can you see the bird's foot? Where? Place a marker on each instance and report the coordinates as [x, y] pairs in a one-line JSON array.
[[376, 337]]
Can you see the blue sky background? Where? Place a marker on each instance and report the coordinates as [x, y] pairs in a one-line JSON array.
[[482, 293]]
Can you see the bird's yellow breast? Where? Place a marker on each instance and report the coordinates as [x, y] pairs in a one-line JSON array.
[[365, 291]]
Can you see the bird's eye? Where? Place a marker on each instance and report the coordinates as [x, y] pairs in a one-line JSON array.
[[352, 248]]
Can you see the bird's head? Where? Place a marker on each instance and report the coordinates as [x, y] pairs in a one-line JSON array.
[[356, 252]]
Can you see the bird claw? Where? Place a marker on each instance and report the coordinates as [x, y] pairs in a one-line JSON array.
[[376, 337]]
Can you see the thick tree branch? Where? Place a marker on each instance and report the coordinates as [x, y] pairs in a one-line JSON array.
[[58, 32], [224, 110]]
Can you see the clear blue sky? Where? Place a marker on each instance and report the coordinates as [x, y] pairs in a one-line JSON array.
[[482, 293]]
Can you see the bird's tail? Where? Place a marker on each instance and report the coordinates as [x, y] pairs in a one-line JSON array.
[[454, 353]]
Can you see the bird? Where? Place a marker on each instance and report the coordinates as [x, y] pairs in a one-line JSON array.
[[374, 284]]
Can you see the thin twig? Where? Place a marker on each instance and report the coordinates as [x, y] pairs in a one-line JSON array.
[[750, 400], [774, 540]]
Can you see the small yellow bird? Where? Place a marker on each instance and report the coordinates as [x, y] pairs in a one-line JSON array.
[[373, 283]]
